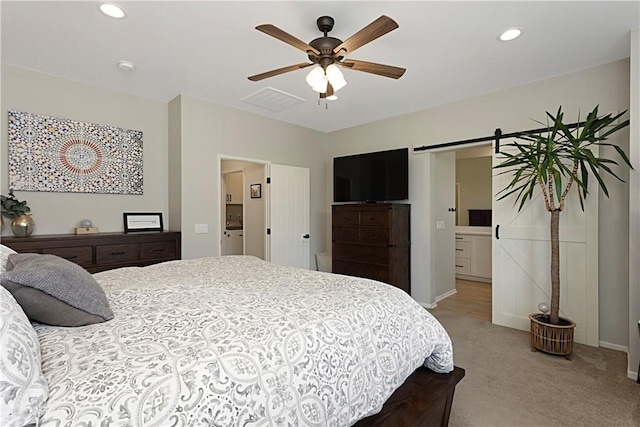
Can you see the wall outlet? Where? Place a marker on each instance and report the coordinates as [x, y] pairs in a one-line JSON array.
[[202, 228], [439, 225]]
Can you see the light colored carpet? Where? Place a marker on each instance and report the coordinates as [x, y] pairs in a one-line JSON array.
[[506, 384]]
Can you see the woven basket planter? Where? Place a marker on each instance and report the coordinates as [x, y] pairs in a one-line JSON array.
[[553, 339]]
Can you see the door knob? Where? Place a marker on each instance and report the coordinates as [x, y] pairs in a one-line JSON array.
[[306, 236]]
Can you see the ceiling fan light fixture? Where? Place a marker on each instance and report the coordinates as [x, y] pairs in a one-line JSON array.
[[335, 77], [317, 80], [329, 94]]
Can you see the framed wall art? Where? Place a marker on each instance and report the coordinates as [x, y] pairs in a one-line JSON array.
[[256, 191], [63, 155]]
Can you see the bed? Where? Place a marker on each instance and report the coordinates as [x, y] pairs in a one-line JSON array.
[[235, 340]]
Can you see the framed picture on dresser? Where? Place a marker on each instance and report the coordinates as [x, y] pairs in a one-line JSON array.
[[142, 221]]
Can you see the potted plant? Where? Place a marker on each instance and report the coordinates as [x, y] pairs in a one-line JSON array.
[[22, 223], [554, 162]]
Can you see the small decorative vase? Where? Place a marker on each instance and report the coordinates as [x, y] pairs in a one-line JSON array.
[[23, 225]]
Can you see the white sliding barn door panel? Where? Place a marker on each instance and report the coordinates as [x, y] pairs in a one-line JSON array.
[[522, 260], [289, 216]]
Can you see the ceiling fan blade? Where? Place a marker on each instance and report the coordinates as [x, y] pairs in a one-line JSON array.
[[281, 35], [377, 28], [373, 68], [279, 71]]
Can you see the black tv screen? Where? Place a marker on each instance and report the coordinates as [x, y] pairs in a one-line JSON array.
[[372, 177]]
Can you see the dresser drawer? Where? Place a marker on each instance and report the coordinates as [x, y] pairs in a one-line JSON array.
[[345, 217], [374, 235], [81, 255], [365, 254], [346, 234], [368, 271], [463, 266], [107, 254], [463, 250], [378, 218], [156, 250]]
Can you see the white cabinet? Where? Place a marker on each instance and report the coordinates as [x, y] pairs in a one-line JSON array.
[[463, 255], [473, 257], [481, 256], [233, 184], [232, 242]]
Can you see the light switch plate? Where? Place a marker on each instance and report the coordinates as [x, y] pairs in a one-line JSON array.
[[202, 228], [439, 225]]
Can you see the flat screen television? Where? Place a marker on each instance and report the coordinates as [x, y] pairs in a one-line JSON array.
[[382, 176]]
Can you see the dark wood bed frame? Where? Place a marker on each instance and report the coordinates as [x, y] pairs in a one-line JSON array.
[[423, 400]]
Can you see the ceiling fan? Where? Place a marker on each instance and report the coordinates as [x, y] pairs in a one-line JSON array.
[[329, 52]]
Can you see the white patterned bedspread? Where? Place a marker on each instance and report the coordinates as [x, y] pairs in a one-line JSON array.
[[236, 341]]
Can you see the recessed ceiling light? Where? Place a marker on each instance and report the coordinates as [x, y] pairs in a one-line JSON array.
[[126, 65], [112, 10], [510, 34]]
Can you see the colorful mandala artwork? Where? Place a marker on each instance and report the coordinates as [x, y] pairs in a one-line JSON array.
[[62, 155]]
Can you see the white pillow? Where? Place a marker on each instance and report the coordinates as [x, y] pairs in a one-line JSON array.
[[23, 388], [5, 251]]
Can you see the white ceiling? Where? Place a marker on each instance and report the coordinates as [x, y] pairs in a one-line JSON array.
[[207, 49]]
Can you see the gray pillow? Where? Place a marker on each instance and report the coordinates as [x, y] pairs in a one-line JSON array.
[[55, 291]]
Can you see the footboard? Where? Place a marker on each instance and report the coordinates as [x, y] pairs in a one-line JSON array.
[[423, 400]]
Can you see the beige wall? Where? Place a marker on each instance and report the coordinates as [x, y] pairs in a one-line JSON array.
[[55, 213], [473, 176], [209, 131], [512, 110], [634, 209]]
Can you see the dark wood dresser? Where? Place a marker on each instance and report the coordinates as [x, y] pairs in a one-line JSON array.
[[103, 251], [373, 241]]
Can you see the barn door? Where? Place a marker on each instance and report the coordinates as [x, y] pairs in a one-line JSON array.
[[521, 260]]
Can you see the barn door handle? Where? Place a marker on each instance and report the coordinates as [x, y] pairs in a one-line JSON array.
[[498, 232]]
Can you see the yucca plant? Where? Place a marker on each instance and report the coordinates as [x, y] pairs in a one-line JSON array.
[[553, 161]]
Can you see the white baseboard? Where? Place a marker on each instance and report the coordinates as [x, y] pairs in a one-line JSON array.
[[446, 295], [611, 346], [438, 298], [632, 375], [427, 305]]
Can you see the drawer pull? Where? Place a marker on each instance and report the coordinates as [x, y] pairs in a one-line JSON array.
[[459, 238], [157, 250], [117, 253], [461, 250], [71, 257], [460, 266]]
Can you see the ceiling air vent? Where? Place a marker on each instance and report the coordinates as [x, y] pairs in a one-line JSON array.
[[272, 99]]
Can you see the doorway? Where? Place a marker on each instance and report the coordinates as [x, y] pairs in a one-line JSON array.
[[275, 216], [242, 214], [471, 192]]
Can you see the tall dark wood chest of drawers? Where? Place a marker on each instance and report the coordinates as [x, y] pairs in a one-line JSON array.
[[103, 251], [373, 241]]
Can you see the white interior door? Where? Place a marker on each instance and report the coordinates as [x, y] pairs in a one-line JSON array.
[[521, 260], [289, 216]]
